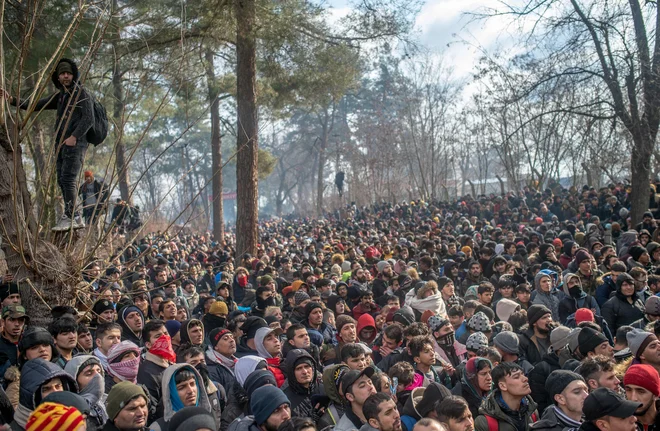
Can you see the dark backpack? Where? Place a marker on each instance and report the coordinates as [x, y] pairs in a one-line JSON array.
[[99, 131]]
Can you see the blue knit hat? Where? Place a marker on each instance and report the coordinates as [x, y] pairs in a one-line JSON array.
[[265, 401]]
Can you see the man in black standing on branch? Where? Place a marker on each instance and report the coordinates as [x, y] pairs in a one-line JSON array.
[[75, 117]]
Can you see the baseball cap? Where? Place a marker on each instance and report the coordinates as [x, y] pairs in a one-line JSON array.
[[606, 402], [14, 311], [251, 325], [350, 377]]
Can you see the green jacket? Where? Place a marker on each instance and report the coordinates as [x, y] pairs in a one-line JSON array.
[[492, 408]]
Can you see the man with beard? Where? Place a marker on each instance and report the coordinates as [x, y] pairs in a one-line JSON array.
[[509, 403], [642, 385], [567, 390], [473, 277], [382, 281], [454, 413], [644, 347], [598, 372], [314, 320], [535, 341], [381, 413], [450, 351], [270, 408], [605, 410], [366, 305]]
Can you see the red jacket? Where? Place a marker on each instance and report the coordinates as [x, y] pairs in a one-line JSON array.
[[274, 367]]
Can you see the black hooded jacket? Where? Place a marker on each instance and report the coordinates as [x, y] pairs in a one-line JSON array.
[[300, 396], [75, 108], [126, 332]]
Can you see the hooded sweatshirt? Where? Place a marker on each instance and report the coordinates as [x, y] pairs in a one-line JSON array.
[[171, 399], [34, 374], [300, 396], [185, 336], [93, 393], [367, 321], [336, 408], [273, 363], [549, 299], [126, 332]]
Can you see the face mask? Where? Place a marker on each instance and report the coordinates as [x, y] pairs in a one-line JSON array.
[[242, 280], [163, 348], [203, 370], [574, 291], [263, 303], [446, 340]]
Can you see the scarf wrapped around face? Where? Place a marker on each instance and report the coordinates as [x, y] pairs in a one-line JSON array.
[[162, 348]]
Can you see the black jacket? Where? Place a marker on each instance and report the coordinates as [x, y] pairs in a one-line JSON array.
[[550, 422], [300, 396], [617, 311], [75, 109], [528, 348], [539, 375], [126, 333]]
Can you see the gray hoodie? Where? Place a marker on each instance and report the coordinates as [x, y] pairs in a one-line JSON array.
[[168, 374], [93, 393]]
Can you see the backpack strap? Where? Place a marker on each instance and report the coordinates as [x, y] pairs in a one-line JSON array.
[[493, 425]]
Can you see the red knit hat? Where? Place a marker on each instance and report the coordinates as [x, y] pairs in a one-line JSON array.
[[583, 315], [645, 376]]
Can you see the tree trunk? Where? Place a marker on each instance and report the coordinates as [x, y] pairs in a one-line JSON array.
[[247, 182], [216, 149], [320, 168], [641, 174], [44, 266], [117, 115]]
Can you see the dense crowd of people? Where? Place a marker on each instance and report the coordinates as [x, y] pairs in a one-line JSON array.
[[534, 310]]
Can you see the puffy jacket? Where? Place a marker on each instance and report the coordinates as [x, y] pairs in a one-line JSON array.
[[298, 395], [618, 311], [605, 290], [168, 408], [507, 422], [528, 347], [336, 408]]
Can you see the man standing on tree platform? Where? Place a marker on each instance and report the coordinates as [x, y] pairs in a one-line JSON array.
[[75, 116]]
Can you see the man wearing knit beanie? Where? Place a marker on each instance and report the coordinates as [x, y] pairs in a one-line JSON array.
[[508, 344], [567, 391], [55, 417], [127, 407], [270, 408], [220, 357], [550, 362], [592, 342], [535, 340], [642, 384], [192, 419], [644, 347]]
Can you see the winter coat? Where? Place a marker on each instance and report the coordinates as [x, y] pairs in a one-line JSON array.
[[345, 423], [166, 400], [300, 396], [336, 408], [244, 424], [219, 372], [570, 304], [539, 375], [236, 406], [529, 348], [433, 303], [366, 321], [550, 299], [34, 374], [505, 420], [550, 421], [149, 374], [617, 311]]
